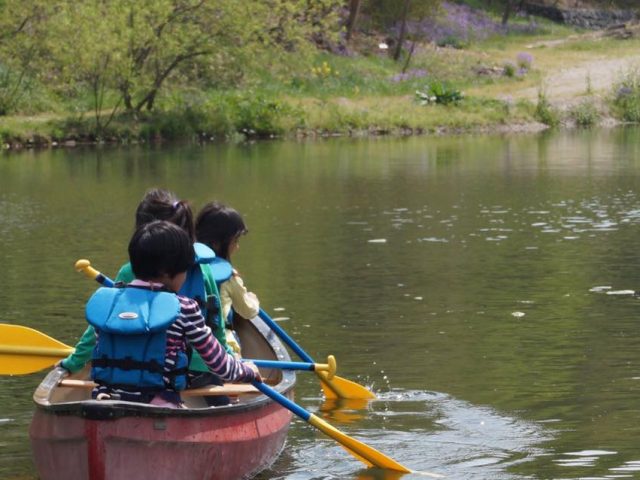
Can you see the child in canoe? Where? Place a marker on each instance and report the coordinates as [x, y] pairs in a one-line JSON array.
[[143, 328], [159, 204], [220, 228]]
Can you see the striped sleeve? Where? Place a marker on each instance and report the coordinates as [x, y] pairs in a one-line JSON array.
[[191, 325]]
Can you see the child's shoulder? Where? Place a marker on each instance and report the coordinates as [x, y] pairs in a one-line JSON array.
[[187, 303]]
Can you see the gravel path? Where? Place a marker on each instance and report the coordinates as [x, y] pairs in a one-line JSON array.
[[567, 85]]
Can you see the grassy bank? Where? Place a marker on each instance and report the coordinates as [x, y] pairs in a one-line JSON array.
[[361, 94]]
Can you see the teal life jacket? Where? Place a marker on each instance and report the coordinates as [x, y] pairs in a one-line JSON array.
[[132, 325], [221, 270], [194, 285]]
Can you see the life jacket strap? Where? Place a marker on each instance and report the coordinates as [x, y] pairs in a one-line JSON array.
[[127, 364]]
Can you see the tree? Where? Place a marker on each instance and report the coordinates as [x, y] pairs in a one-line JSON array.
[[398, 15], [352, 19], [20, 43], [403, 29], [125, 52]]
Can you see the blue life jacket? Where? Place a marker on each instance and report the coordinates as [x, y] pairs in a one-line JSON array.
[[194, 286], [221, 270], [132, 328]]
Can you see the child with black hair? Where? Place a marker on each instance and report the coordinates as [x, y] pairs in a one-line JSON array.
[[220, 228], [143, 328], [160, 204]]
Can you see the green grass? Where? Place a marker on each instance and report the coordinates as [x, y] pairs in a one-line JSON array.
[[332, 94]]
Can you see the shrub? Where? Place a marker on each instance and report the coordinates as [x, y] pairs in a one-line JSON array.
[[438, 92], [509, 69], [585, 114], [257, 115], [626, 97], [545, 112], [452, 41]]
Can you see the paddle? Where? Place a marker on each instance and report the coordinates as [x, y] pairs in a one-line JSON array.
[[25, 350], [336, 387], [332, 386], [366, 454]]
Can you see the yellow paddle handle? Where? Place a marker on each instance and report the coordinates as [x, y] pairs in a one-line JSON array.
[[84, 266], [328, 368]]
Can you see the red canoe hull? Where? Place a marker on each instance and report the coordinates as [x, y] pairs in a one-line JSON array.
[[225, 447], [76, 438]]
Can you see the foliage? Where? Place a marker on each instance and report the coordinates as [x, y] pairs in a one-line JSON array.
[[324, 71], [130, 50], [545, 112], [387, 13], [257, 115], [438, 92], [509, 69], [21, 41], [452, 41], [626, 97], [585, 114]]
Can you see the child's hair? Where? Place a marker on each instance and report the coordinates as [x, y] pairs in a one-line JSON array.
[[159, 204], [218, 226], [160, 247]]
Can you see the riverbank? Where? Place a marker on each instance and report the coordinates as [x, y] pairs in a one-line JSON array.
[[509, 83]]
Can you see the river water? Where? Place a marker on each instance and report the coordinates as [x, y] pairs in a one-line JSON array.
[[480, 285]]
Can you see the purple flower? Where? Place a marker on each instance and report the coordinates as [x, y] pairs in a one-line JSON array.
[[403, 77], [462, 23], [524, 60], [624, 91]]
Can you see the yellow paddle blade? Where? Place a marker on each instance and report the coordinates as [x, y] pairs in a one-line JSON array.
[[361, 451], [25, 350], [338, 387]]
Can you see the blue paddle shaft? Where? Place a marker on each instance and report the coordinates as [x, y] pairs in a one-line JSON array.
[[282, 364], [103, 280], [284, 337], [282, 400]]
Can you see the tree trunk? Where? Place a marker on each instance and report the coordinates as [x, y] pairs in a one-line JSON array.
[[507, 12], [352, 20], [409, 56], [403, 30]]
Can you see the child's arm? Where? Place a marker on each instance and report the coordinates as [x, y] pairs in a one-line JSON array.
[[84, 350], [200, 337], [245, 303]]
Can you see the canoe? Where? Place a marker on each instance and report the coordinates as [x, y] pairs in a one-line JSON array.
[[74, 437]]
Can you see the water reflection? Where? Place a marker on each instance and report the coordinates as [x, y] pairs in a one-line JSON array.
[[343, 410], [428, 432]]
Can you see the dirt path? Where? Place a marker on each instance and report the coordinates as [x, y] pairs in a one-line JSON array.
[[566, 86]]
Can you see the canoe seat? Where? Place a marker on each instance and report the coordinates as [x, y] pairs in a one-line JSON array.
[[230, 389]]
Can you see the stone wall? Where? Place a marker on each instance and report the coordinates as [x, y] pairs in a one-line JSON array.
[[581, 17]]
